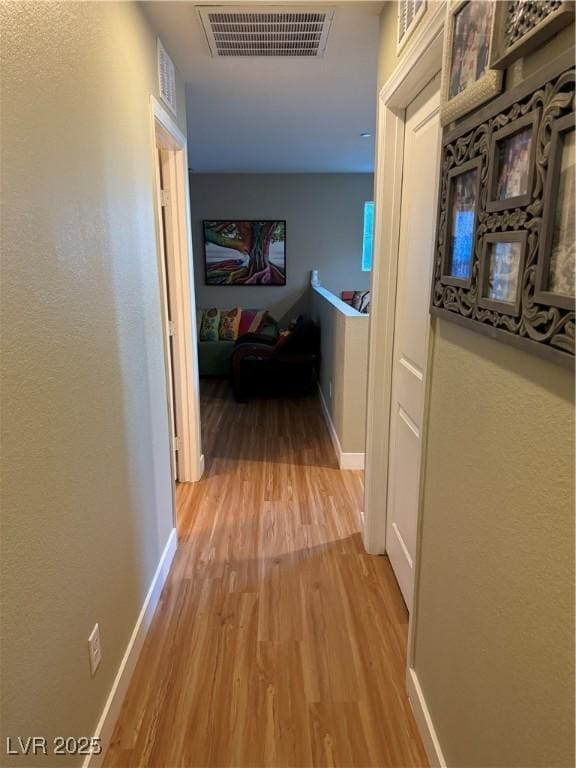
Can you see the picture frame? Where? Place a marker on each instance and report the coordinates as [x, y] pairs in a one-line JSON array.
[[450, 275], [520, 27], [245, 252], [507, 295], [410, 13], [497, 291], [467, 80], [556, 208], [517, 181]]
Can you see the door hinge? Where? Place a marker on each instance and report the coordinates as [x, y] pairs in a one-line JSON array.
[[163, 197], [176, 443], [171, 328]]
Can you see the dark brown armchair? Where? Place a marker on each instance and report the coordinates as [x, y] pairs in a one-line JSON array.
[[264, 366]]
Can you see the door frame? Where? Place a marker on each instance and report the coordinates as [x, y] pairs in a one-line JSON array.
[[421, 62], [395, 543], [187, 388]]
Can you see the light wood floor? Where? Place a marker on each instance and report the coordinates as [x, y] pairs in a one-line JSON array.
[[277, 640]]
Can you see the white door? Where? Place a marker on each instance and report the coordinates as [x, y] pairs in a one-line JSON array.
[[411, 328]]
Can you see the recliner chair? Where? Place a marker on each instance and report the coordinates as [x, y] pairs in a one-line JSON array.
[[288, 365]]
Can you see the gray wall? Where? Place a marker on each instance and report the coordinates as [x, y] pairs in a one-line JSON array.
[[343, 369], [324, 226]]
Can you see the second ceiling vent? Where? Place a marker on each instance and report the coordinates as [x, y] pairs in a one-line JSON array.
[[265, 31]]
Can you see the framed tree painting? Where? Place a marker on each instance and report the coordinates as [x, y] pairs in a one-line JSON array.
[[245, 252], [467, 80]]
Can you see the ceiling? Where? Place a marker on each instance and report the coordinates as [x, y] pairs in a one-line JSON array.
[[266, 115]]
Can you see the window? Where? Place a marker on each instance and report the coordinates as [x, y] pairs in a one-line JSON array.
[[368, 237]]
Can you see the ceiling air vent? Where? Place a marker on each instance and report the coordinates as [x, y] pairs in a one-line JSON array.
[[166, 78], [265, 31]]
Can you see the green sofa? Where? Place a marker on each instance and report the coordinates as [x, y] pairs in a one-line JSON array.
[[214, 357]]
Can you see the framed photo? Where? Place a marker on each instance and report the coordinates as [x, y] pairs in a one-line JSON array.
[[521, 26], [245, 252], [462, 213], [501, 270], [409, 14], [556, 277], [467, 80], [505, 256], [512, 161]]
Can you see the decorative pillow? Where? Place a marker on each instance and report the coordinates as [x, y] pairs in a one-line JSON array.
[[229, 324], [199, 318], [210, 323], [252, 321], [361, 301]]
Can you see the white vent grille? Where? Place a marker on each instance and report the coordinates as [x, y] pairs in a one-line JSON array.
[[266, 31], [409, 14], [166, 78]]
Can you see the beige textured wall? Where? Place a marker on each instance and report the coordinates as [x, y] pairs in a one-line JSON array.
[[387, 58], [343, 370], [494, 648], [494, 619], [86, 501]]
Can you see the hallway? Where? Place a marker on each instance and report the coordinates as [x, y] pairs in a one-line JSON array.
[[277, 640]]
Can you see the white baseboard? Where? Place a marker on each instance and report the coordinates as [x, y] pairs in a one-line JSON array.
[[345, 460], [424, 721], [111, 710], [352, 460]]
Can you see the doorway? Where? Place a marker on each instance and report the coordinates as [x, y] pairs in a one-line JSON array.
[[408, 121], [411, 330], [174, 249]]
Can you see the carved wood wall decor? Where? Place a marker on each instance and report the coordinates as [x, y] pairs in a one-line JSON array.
[[522, 26], [508, 293]]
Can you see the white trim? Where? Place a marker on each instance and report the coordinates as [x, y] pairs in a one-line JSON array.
[[345, 460], [187, 387], [422, 61], [113, 705], [352, 461], [167, 121], [424, 721], [413, 71]]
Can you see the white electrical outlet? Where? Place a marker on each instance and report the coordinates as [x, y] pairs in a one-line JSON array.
[[330, 390], [94, 649]]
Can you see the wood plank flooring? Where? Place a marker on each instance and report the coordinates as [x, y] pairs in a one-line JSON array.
[[277, 641]]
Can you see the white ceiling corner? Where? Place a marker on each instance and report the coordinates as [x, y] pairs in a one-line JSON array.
[[277, 114]]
